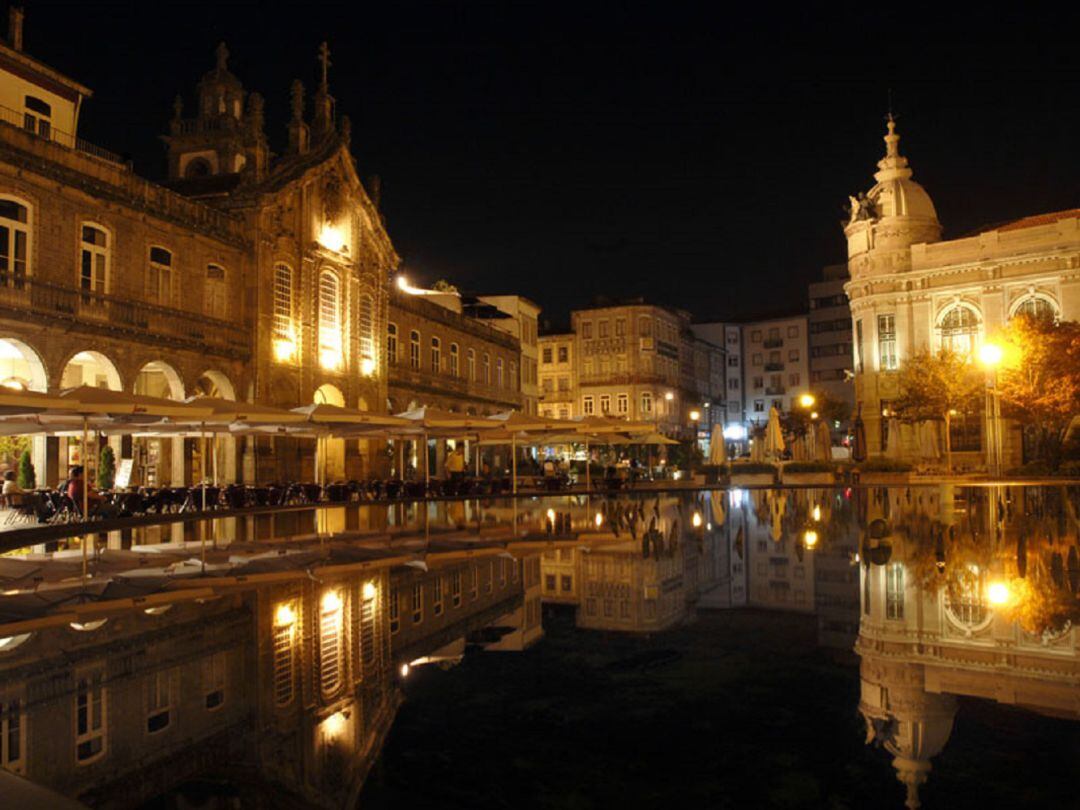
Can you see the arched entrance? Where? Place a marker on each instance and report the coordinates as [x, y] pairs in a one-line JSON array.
[[331, 458], [94, 369], [160, 461], [222, 467], [21, 368]]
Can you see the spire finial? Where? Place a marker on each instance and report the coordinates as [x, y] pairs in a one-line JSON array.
[[222, 54], [324, 61], [296, 99]]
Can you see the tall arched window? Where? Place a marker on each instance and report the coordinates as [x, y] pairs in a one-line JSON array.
[[365, 326], [283, 303], [329, 320], [470, 362], [94, 256], [216, 302], [159, 280], [959, 329], [454, 360], [14, 242], [414, 350], [1036, 307], [436, 355], [487, 369]]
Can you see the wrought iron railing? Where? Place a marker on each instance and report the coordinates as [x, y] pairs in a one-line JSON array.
[[27, 297], [34, 125]]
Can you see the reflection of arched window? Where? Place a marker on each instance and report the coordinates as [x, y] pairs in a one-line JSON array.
[[330, 642], [1036, 307], [14, 242], [964, 598], [959, 329], [94, 255], [283, 302], [329, 320], [366, 326], [216, 302]]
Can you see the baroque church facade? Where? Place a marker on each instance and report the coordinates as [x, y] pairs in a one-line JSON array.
[[909, 290]]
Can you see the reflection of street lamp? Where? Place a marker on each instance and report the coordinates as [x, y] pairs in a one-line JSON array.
[[990, 356]]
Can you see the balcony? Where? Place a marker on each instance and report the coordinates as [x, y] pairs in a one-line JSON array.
[[773, 343], [403, 375], [774, 366], [775, 390], [623, 378], [26, 298], [68, 141]]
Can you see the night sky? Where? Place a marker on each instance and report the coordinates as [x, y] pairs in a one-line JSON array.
[[561, 152]]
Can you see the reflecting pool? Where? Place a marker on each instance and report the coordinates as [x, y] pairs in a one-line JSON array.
[[792, 647]]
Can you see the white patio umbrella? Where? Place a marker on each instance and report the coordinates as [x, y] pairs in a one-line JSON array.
[[774, 436], [717, 447], [928, 440], [824, 442], [892, 445]]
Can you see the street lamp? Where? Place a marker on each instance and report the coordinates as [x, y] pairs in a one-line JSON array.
[[990, 356], [695, 416], [807, 400]]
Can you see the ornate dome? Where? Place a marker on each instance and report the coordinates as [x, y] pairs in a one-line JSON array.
[[896, 194]]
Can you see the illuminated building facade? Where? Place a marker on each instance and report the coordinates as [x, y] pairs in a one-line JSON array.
[[776, 367], [558, 393], [830, 337], [909, 290]]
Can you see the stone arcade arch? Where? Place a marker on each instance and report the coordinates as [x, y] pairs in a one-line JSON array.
[[21, 368], [213, 383], [94, 369], [159, 461]]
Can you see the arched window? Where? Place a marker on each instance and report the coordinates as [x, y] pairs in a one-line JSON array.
[[499, 379], [436, 355], [1035, 307], [94, 257], [283, 303], [14, 243], [487, 368], [414, 350], [216, 302], [964, 598], [365, 326], [959, 329], [470, 362], [37, 117], [159, 281], [391, 343], [454, 360], [329, 320]]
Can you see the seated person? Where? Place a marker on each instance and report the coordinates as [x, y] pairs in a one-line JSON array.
[[96, 505], [11, 487]]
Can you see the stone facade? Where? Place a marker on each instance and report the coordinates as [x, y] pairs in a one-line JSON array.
[[909, 290]]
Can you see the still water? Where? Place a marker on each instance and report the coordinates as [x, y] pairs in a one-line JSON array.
[[732, 648]]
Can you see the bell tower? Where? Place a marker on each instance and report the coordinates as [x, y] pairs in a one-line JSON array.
[[224, 137]]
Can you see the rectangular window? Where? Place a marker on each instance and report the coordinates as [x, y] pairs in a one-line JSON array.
[[586, 329], [792, 331], [894, 591], [474, 583], [587, 405], [213, 671], [487, 369], [546, 356], [12, 735], [567, 583], [620, 327], [417, 603], [159, 701], [91, 706], [756, 360], [489, 586], [759, 406], [622, 404], [549, 583], [602, 329], [502, 572], [793, 356], [564, 354], [605, 404], [159, 282], [646, 403], [886, 327], [499, 380]]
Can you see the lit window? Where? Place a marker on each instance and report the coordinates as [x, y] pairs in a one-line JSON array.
[[284, 635], [886, 326], [160, 276], [894, 591], [587, 405], [330, 642], [90, 716], [283, 304], [329, 320], [94, 260], [365, 326], [959, 329]]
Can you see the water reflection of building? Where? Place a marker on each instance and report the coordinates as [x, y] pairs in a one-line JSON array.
[[660, 562], [281, 666], [936, 561]]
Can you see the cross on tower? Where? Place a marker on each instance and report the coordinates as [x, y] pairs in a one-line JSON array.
[[324, 60], [222, 56]]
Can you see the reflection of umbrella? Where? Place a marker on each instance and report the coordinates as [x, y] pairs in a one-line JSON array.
[[858, 452], [777, 506], [824, 442], [716, 500], [774, 436], [717, 451]]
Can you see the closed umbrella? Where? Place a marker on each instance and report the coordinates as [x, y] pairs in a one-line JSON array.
[[774, 436], [717, 451], [858, 451], [757, 448], [824, 442], [892, 446], [928, 440]]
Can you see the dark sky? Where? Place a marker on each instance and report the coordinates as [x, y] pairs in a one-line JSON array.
[[697, 155]]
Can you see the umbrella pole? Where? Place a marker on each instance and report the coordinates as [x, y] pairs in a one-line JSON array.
[[588, 481], [87, 538], [202, 523], [427, 464], [513, 466]]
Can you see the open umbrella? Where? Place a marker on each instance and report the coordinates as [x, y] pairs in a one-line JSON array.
[[774, 436]]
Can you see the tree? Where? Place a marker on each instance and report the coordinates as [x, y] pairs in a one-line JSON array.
[[27, 477], [106, 471], [1039, 380], [936, 386]]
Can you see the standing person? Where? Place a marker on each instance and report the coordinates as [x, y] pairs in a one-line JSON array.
[[455, 465]]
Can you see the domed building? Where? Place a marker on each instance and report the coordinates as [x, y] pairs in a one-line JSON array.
[[910, 290]]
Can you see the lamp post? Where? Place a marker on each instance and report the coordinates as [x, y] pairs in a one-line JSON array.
[[695, 417], [990, 356], [807, 401]]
